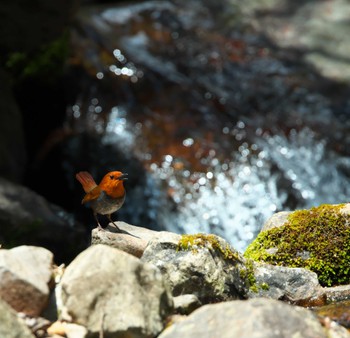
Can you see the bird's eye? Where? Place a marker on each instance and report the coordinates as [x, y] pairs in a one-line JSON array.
[[111, 177]]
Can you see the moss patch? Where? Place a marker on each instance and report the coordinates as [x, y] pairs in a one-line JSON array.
[[193, 242], [317, 239], [46, 63]]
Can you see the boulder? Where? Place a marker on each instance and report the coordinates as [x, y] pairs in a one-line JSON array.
[[25, 276], [10, 325], [107, 290], [129, 238], [255, 318], [203, 265], [295, 285], [316, 239], [28, 218]]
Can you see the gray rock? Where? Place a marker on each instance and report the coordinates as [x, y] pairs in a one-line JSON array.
[[10, 325], [337, 293], [129, 238], [185, 304], [295, 285], [276, 220], [25, 275], [255, 318], [27, 218], [105, 289], [202, 270]]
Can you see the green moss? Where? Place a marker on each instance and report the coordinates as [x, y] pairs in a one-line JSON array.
[[265, 286], [193, 242], [45, 63], [317, 239]]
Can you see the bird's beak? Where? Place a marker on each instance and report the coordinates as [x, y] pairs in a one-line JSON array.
[[123, 177]]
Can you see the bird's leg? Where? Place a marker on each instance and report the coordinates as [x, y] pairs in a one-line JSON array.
[[98, 223], [110, 219]]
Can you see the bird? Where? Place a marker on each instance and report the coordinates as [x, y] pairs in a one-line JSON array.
[[106, 197]]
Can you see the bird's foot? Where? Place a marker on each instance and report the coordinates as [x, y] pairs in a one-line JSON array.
[[115, 226], [99, 228]]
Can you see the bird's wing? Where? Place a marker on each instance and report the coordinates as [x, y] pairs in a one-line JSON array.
[[92, 195], [86, 181]]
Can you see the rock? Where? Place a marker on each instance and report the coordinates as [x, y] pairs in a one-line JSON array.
[[200, 269], [68, 330], [295, 285], [276, 220], [131, 239], [338, 312], [37, 325], [12, 147], [337, 293], [255, 318], [25, 275], [27, 218], [316, 239], [10, 325], [105, 289], [185, 304]]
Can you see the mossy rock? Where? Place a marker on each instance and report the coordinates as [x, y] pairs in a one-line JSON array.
[[209, 241], [317, 239]]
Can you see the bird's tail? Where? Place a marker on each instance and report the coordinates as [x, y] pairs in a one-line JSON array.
[[86, 181]]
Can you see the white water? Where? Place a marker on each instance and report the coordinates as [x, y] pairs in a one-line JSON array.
[[234, 199]]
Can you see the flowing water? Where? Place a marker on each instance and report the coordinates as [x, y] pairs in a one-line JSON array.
[[228, 127]]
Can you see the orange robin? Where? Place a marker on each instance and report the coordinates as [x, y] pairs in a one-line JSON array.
[[105, 198]]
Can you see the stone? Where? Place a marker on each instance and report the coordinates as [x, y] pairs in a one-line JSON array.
[[10, 325], [203, 271], [68, 330], [28, 218], [254, 318], [276, 220], [295, 285], [185, 304], [315, 239], [107, 290], [131, 239], [13, 155], [25, 276], [337, 293]]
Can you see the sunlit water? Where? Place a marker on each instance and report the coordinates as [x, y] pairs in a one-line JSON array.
[[234, 198], [257, 172]]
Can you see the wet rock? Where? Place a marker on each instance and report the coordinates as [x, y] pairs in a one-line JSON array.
[[200, 269], [108, 290], [25, 276], [27, 218], [10, 325], [319, 30], [338, 312], [260, 318], [295, 285]]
